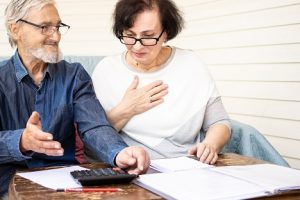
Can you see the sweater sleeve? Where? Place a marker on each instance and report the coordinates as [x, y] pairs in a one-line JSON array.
[[215, 113]]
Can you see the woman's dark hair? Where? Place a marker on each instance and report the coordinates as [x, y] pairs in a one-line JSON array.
[[126, 12]]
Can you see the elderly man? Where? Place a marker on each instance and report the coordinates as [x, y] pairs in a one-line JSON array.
[[41, 98]]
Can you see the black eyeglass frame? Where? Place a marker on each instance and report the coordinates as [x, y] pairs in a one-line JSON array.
[[121, 38], [44, 27]]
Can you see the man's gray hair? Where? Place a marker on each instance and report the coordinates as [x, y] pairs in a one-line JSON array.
[[19, 9]]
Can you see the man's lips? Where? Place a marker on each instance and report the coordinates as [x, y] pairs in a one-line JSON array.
[[51, 44]]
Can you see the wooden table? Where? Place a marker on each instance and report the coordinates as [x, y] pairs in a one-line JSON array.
[[21, 188]]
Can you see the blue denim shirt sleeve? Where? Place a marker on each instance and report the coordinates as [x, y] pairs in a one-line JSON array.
[[65, 97], [93, 126], [9, 140], [106, 147]]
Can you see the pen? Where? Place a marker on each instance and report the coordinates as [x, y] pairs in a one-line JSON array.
[[91, 189]]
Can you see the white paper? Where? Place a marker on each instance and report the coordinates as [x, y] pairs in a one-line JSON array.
[[199, 184], [272, 177], [177, 164], [229, 182], [54, 178]]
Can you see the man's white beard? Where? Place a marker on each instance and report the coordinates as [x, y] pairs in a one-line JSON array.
[[53, 57]]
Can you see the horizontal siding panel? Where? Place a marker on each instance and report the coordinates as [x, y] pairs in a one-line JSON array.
[[77, 7], [263, 108], [184, 3], [79, 36], [89, 35], [285, 147], [86, 24], [99, 21], [259, 54], [5, 49], [257, 37], [69, 47], [2, 8], [230, 7], [267, 18], [256, 72], [91, 48], [260, 90], [3, 38], [78, 48], [271, 127], [102, 2], [294, 163], [83, 7]]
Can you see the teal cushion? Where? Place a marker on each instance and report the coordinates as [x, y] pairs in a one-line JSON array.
[[88, 62]]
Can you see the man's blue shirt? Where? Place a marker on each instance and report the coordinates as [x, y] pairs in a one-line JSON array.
[[65, 96]]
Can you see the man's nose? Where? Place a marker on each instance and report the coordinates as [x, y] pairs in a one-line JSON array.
[[56, 36]]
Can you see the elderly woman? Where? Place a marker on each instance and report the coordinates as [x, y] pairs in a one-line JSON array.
[[171, 95]]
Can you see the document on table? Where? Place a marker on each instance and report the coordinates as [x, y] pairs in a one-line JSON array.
[[229, 182], [54, 178], [197, 184], [177, 164], [275, 178]]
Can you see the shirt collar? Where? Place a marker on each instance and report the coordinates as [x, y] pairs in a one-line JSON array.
[[21, 71], [50, 70]]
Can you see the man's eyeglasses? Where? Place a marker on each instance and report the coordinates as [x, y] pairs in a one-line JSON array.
[[144, 41], [47, 29]]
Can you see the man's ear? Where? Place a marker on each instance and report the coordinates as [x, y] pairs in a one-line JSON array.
[[15, 29]]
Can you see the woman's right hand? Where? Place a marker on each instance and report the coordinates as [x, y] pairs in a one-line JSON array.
[[137, 100]]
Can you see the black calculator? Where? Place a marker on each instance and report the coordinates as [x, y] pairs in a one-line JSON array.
[[100, 176]]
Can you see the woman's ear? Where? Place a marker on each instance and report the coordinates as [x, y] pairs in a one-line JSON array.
[[165, 37]]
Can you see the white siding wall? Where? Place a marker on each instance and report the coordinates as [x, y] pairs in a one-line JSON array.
[[253, 51], [90, 32], [251, 47]]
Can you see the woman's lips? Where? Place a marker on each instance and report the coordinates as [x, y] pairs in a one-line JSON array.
[[139, 55]]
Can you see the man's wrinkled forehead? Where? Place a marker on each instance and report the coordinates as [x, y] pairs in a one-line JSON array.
[[48, 14]]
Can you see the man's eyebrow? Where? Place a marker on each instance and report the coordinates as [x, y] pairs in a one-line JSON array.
[[50, 23]]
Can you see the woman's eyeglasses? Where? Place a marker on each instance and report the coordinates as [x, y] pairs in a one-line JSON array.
[[144, 41]]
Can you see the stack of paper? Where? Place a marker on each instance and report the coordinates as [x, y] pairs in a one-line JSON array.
[[198, 184], [204, 182], [177, 164], [272, 177]]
